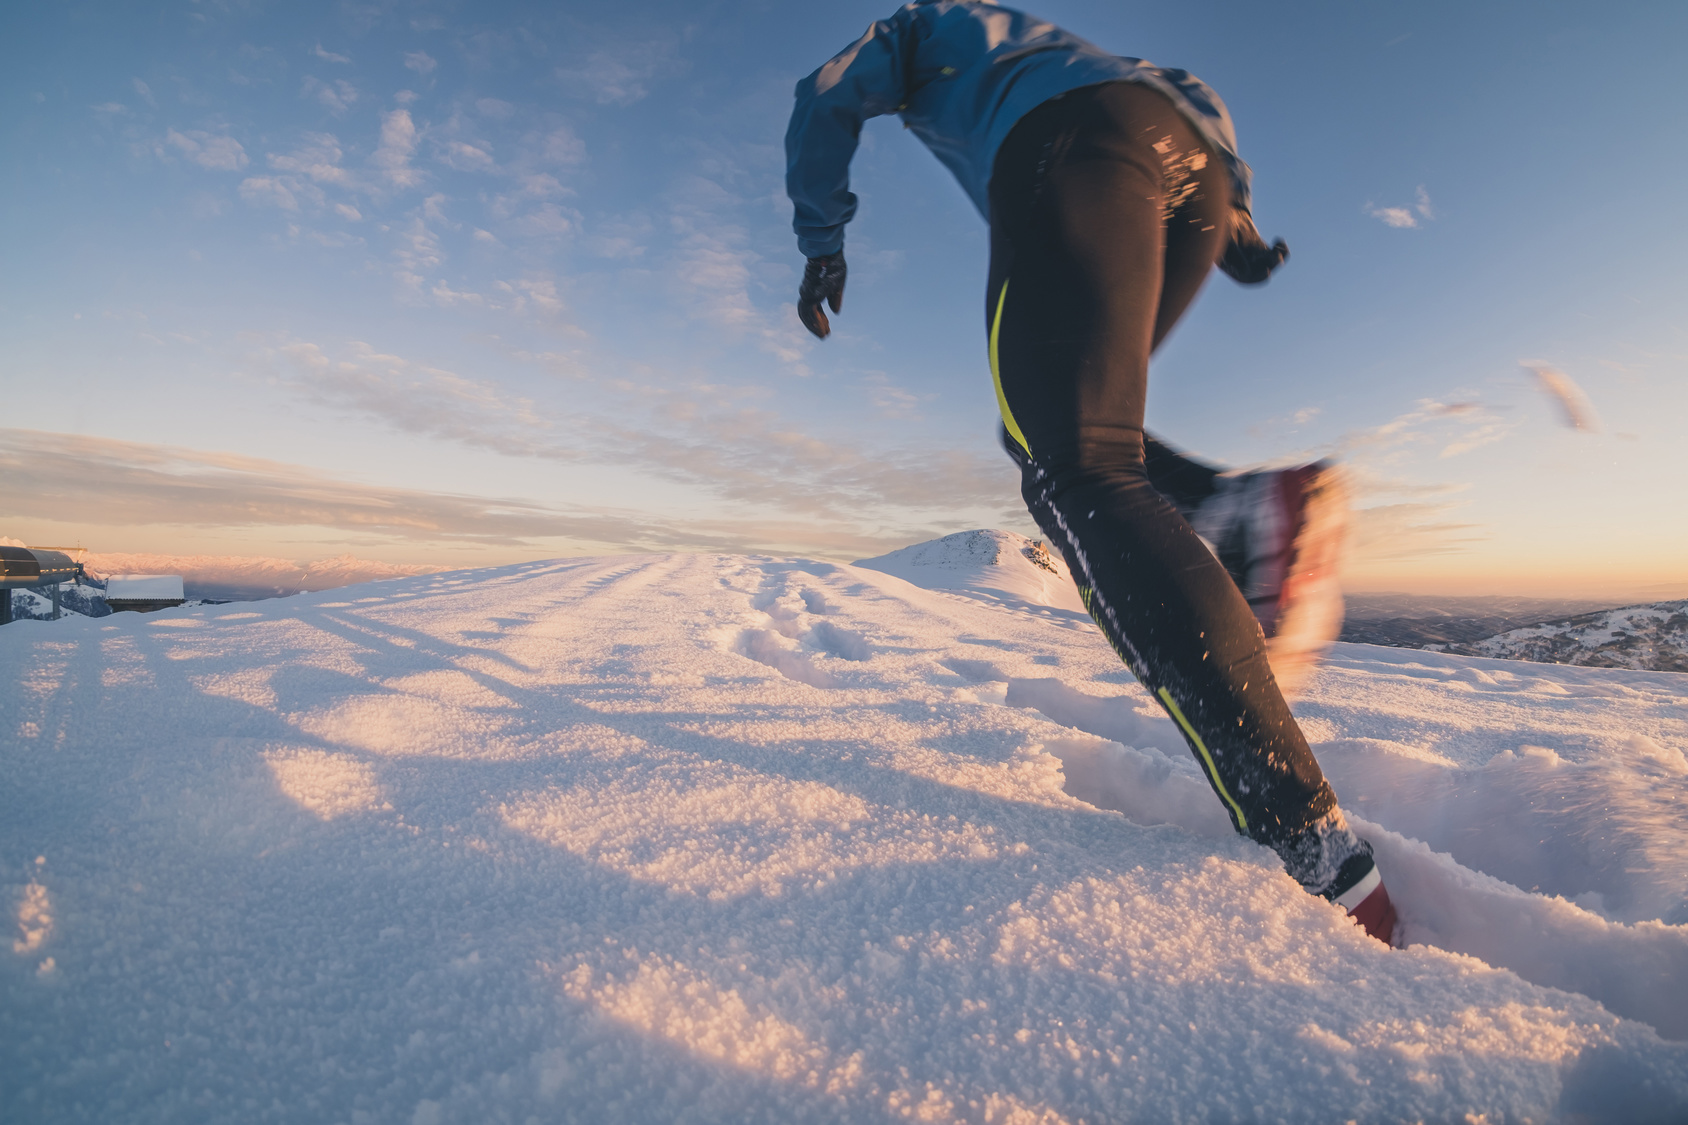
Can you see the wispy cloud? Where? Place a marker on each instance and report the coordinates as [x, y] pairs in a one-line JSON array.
[[398, 145], [1405, 217], [1397, 517], [425, 400], [714, 271], [1574, 407], [1387, 532], [329, 56], [317, 158], [1456, 427], [120, 484], [712, 439], [337, 96], [213, 151], [268, 190], [890, 400], [420, 61], [145, 92], [620, 75], [418, 251]]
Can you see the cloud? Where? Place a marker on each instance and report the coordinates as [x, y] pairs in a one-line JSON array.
[[398, 144], [103, 481], [892, 401], [558, 146], [337, 95], [1408, 530], [424, 400], [420, 61], [1393, 216], [418, 252], [144, 91], [465, 157], [260, 190], [1405, 217], [329, 56], [707, 437], [620, 76], [110, 109], [532, 210], [539, 292], [112, 484], [318, 159], [1574, 408], [713, 274], [1457, 427], [208, 150]]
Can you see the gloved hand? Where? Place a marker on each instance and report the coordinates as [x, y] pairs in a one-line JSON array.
[[1248, 259], [823, 280]]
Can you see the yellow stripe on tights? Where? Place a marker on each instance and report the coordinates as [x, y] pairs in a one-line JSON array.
[[1207, 759], [996, 372]]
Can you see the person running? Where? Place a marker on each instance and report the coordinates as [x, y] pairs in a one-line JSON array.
[[1111, 187]]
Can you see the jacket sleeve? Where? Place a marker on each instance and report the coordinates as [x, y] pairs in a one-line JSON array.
[[864, 80]]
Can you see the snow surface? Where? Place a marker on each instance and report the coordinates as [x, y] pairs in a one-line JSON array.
[[711, 838]]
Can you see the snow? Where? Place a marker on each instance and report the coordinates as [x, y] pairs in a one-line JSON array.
[[716, 838], [1652, 637]]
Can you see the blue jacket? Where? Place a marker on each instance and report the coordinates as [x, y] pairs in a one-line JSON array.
[[960, 73]]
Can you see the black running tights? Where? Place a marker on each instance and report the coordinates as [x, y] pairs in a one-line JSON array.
[[1107, 211]]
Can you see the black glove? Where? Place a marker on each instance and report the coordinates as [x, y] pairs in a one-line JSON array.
[[823, 280], [1248, 259]]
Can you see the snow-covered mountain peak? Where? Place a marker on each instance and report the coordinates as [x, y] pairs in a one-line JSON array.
[[987, 563]]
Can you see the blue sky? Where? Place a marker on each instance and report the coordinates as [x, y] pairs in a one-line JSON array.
[[475, 283]]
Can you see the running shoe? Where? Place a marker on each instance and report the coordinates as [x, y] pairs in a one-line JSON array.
[[1279, 534], [1367, 902]]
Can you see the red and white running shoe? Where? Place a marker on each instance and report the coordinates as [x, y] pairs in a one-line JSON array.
[[1367, 902], [1279, 534]]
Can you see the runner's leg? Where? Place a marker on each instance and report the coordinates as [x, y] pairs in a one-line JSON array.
[[1107, 214]]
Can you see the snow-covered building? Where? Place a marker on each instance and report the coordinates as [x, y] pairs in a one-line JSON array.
[[144, 592]]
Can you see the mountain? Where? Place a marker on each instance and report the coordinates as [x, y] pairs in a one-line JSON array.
[[993, 565], [249, 577], [713, 838], [1642, 637], [1416, 620]]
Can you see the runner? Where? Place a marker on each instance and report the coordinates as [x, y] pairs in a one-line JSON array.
[[1111, 187]]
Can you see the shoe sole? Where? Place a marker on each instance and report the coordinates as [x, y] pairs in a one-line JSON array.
[[1309, 609]]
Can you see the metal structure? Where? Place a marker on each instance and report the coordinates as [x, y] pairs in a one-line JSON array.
[[22, 568]]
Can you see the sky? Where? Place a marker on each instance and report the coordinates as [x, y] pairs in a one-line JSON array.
[[468, 284]]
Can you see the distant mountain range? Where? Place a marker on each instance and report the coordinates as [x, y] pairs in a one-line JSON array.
[[1641, 637], [214, 578], [1002, 566], [1417, 620], [244, 578]]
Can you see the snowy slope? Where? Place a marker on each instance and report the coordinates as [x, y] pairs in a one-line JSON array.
[[688, 838], [1653, 637]]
